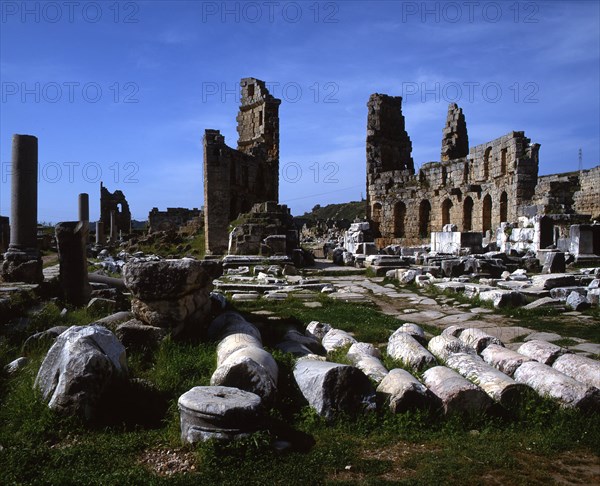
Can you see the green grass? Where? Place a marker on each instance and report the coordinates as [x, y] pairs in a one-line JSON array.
[[519, 447]]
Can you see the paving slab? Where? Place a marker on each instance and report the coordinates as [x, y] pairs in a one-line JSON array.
[[591, 348], [549, 337]]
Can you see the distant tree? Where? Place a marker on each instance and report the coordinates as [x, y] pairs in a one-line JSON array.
[[316, 208]]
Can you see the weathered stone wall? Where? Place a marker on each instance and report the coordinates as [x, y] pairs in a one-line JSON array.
[[569, 193], [115, 201], [587, 198], [235, 180], [171, 219], [494, 183], [268, 229], [455, 140]]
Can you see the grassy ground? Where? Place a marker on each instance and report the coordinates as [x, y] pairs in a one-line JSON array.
[[536, 444]]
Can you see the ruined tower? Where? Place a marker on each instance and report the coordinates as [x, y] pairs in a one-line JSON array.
[[235, 180], [258, 130], [455, 141], [388, 146]]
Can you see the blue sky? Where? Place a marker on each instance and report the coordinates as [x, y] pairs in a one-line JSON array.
[[122, 91]]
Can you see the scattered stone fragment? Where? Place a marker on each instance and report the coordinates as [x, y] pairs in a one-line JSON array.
[[218, 412], [496, 384], [415, 331], [335, 339], [331, 388], [99, 305], [367, 358], [502, 298], [16, 365], [577, 302], [444, 345], [317, 329], [503, 359], [580, 368], [404, 392], [134, 334], [457, 394], [42, 338], [552, 383], [80, 367], [478, 339], [541, 351], [403, 347]]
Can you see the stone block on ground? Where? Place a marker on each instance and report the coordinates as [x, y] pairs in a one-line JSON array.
[[541, 351], [499, 387], [503, 359], [403, 392], [456, 393], [403, 347], [556, 385], [332, 388], [81, 367], [580, 368], [336, 339]]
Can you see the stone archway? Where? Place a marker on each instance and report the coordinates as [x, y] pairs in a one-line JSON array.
[[486, 213], [446, 208], [399, 219], [486, 163], [424, 219], [468, 214], [503, 207], [376, 215]]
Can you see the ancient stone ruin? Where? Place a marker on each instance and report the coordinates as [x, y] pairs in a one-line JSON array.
[[173, 219], [268, 229], [473, 189], [114, 213], [235, 180]]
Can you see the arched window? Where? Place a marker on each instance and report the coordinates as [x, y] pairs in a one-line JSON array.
[[399, 218], [486, 163], [424, 219], [446, 207], [503, 207], [503, 162], [468, 214], [486, 213], [376, 217]]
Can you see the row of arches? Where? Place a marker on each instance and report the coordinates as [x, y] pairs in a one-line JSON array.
[[425, 211]]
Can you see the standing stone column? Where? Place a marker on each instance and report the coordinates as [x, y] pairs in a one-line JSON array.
[[84, 212], [113, 226], [72, 256], [100, 239], [22, 261], [84, 207]]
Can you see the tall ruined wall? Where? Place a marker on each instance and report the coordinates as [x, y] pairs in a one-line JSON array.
[[388, 144], [235, 180], [494, 183], [455, 140], [569, 193], [587, 198], [114, 201]]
